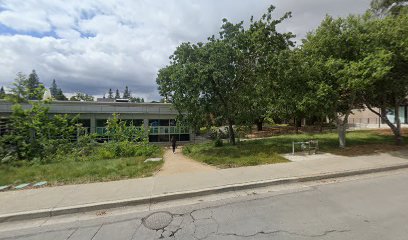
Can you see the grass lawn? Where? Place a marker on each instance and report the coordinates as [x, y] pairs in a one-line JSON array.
[[72, 172], [266, 151]]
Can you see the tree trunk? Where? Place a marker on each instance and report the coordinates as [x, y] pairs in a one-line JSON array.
[[231, 132], [396, 129], [259, 124], [342, 136], [397, 132], [321, 125], [341, 128], [296, 125]]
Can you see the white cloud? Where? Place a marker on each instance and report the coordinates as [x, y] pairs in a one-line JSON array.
[[96, 45]]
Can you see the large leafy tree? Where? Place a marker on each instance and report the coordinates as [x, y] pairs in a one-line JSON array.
[[221, 79], [388, 47], [25, 89], [261, 46], [335, 47]]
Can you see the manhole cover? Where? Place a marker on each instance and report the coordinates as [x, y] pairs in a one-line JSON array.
[[158, 220]]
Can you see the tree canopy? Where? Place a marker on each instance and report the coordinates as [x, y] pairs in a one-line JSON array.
[[217, 81], [83, 97], [56, 92]]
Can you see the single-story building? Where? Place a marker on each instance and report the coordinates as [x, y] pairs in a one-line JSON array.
[[158, 118], [364, 118]]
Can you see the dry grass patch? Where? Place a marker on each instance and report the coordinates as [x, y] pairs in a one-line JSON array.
[[370, 149]]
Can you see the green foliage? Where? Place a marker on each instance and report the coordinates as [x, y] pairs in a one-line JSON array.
[[70, 171], [226, 79], [83, 97], [110, 94], [218, 142], [26, 89], [35, 135], [137, 100], [2, 93], [127, 94], [267, 151], [119, 131], [34, 89], [56, 92]]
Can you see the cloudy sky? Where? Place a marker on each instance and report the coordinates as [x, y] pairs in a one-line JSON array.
[[94, 45]]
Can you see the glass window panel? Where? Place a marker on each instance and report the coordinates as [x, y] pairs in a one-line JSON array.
[[164, 122]]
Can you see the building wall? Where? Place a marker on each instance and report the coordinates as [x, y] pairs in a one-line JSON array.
[[94, 116], [364, 118]]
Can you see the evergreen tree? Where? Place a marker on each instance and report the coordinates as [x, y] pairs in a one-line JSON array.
[[110, 94], [2, 93], [136, 100], [56, 92], [53, 88], [60, 95], [34, 87], [117, 95], [126, 93]]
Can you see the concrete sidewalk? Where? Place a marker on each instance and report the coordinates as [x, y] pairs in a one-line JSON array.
[[27, 204]]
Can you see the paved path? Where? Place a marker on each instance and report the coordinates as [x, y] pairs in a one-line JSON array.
[[178, 163], [72, 196]]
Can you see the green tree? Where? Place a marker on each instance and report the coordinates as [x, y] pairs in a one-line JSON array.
[[83, 97], [53, 88], [336, 46], [127, 94], [2, 93], [117, 94], [136, 100], [56, 92], [110, 94], [261, 47], [388, 49], [35, 89], [19, 91], [60, 95], [218, 79]]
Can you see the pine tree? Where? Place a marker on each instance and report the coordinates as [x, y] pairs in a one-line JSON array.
[[126, 93], [117, 95], [110, 94], [2, 93], [54, 88], [60, 95], [56, 92], [34, 87]]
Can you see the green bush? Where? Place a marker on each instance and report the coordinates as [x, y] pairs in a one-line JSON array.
[[218, 142]]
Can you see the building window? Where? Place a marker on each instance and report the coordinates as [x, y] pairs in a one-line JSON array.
[[165, 129], [101, 126]]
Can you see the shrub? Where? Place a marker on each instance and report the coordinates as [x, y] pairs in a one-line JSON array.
[[218, 143]]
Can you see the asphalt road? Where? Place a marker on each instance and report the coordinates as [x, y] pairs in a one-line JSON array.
[[370, 208]]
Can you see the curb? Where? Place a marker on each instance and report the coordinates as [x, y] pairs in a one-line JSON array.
[[43, 213]]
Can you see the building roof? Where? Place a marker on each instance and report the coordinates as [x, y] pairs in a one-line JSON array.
[[99, 107]]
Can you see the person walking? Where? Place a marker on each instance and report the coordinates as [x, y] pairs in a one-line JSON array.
[[173, 144]]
